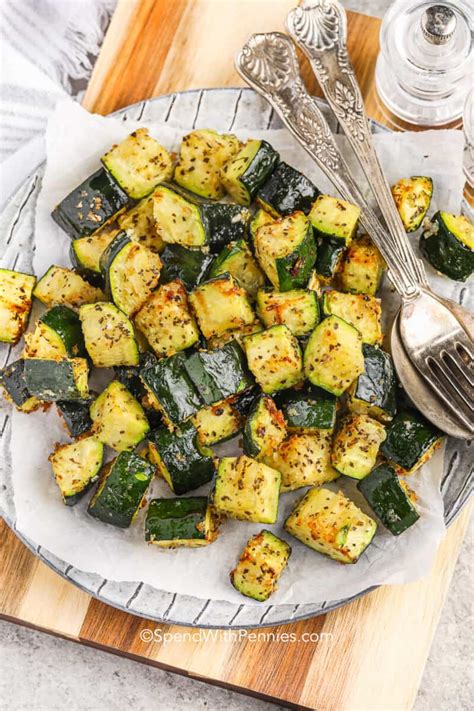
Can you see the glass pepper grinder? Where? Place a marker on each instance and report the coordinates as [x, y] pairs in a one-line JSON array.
[[425, 66]]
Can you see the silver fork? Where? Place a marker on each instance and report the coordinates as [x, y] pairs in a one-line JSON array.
[[269, 64]]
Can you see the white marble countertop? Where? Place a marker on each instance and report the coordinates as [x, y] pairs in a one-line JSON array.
[[39, 672]]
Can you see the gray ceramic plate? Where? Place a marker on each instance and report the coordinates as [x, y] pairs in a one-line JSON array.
[[224, 110]]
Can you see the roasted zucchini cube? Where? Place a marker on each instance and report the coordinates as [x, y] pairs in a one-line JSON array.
[[15, 390], [76, 467], [388, 499], [411, 441], [202, 155], [260, 566], [362, 267], [304, 460], [166, 321], [286, 191], [333, 356], [176, 523], [331, 524], [132, 272], [140, 226], [129, 375], [329, 259], [219, 373], [246, 490], [57, 334], [224, 223], [362, 311], [221, 305], [356, 445], [448, 245], [122, 489], [413, 197], [274, 357], [286, 251], [237, 260], [91, 205], [138, 164], [260, 218], [76, 416], [170, 388], [373, 393], [191, 266], [109, 335], [217, 423], [308, 410], [86, 252], [245, 173], [238, 335], [64, 286], [334, 218], [57, 378], [118, 419], [265, 428], [180, 458], [298, 309], [16, 291]]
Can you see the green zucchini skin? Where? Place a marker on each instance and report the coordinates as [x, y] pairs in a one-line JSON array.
[[376, 388], [409, 437], [388, 500], [89, 206], [109, 254], [183, 462], [170, 384], [329, 257], [308, 409], [264, 429], [219, 373], [176, 519], [51, 380], [244, 402], [295, 269], [286, 191], [12, 380], [260, 169], [122, 485], [67, 325], [76, 416], [191, 266], [446, 253], [223, 223], [129, 375]]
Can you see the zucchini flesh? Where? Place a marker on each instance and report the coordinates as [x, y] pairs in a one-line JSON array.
[[248, 170], [237, 259], [298, 309], [57, 379], [448, 245], [260, 566], [188, 522], [335, 219], [64, 286], [329, 258], [58, 333], [139, 224], [238, 335], [260, 218], [308, 410], [413, 197], [274, 358], [221, 305], [246, 490], [304, 460], [86, 251], [180, 458], [333, 356], [16, 300], [286, 191], [190, 266], [122, 488], [138, 164], [411, 441], [286, 251], [362, 311], [76, 416], [178, 220], [374, 391], [15, 390], [362, 268], [219, 373], [356, 445], [217, 423], [118, 419], [171, 388], [91, 205], [203, 154], [132, 272], [166, 321], [331, 524], [109, 335], [76, 467], [388, 499], [265, 428]]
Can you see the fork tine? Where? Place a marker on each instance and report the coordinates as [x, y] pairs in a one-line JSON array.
[[457, 408], [462, 370], [458, 396], [463, 340]]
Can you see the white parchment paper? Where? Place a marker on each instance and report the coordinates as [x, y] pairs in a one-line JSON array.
[[75, 141]]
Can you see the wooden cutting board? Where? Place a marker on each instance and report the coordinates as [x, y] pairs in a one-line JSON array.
[[367, 655]]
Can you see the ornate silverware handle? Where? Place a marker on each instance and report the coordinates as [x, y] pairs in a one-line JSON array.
[[319, 27], [268, 63]]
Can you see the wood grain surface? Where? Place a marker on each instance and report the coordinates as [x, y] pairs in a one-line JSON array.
[[368, 655]]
